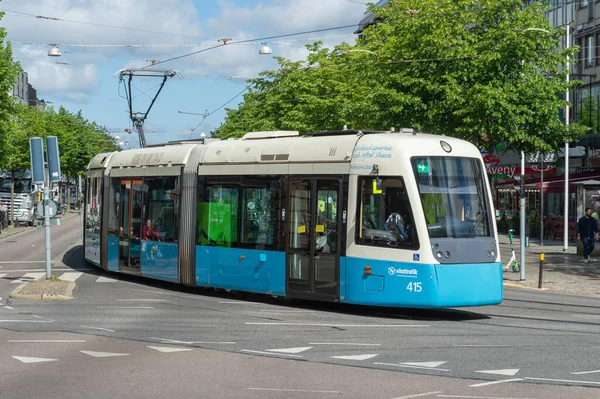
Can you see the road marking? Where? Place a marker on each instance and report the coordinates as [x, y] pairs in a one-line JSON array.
[[71, 276], [476, 397], [341, 343], [28, 277], [174, 341], [42, 270], [47, 341], [25, 359], [269, 353], [556, 380], [241, 303], [293, 390], [586, 372], [290, 350], [124, 307], [26, 321], [103, 354], [287, 311], [355, 357], [336, 325], [22, 261], [424, 364], [98, 328], [166, 349], [103, 279], [480, 346], [418, 395], [510, 372], [3, 274], [408, 366], [142, 300], [485, 384], [9, 307]]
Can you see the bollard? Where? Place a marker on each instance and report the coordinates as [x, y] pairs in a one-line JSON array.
[[541, 270]]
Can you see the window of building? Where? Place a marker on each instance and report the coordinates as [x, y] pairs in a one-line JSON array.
[[384, 214], [162, 209], [589, 51], [217, 214]]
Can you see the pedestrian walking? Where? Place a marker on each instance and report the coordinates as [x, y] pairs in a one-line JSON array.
[[587, 232]]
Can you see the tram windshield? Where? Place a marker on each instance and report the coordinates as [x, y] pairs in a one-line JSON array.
[[452, 192]]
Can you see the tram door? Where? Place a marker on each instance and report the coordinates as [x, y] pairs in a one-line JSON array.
[[130, 222], [313, 255]]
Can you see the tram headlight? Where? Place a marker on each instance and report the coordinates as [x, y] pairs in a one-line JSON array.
[[489, 253], [447, 254], [493, 253], [440, 254]]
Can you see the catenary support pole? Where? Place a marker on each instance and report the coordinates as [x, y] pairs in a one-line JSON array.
[[47, 228], [566, 198], [523, 233]]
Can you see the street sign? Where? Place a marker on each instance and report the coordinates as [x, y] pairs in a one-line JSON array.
[[36, 156], [423, 166], [51, 208], [53, 159]]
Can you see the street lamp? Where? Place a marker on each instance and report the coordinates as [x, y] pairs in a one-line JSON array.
[[265, 50], [54, 52]]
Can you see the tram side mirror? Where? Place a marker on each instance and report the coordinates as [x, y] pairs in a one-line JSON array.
[[377, 186]]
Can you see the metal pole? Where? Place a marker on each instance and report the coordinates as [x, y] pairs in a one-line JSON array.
[[541, 276], [47, 228], [522, 215], [566, 210], [542, 200]]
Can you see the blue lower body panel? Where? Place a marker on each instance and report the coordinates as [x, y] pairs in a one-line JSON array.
[[113, 254], [160, 260], [422, 285], [241, 269], [92, 248]]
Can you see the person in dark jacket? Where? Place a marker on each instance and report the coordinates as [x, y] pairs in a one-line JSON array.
[[587, 232]]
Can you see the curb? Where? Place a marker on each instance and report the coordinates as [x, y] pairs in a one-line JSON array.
[[68, 294], [516, 285]]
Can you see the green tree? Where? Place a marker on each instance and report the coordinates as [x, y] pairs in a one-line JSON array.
[[9, 70], [456, 67]]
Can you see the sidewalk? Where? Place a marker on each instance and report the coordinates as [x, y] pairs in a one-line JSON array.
[[564, 271]]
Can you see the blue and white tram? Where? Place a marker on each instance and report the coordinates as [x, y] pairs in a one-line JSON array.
[[374, 218]]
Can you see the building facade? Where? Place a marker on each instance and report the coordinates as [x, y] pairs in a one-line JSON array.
[[26, 93]]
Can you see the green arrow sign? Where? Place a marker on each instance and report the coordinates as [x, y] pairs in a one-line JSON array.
[[422, 166]]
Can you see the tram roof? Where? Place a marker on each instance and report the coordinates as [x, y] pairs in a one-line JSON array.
[[100, 161], [168, 155]]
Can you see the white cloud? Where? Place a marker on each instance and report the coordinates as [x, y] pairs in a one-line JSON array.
[[229, 19]]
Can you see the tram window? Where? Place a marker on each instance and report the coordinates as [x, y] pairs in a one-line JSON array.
[[114, 207], [259, 213], [218, 216], [385, 217], [162, 207]]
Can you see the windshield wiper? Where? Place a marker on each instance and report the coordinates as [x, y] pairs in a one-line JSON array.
[[477, 222]]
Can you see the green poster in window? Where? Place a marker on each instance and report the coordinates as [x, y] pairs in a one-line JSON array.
[[422, 166]]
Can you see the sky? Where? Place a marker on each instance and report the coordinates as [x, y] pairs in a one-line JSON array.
[[86, 76]]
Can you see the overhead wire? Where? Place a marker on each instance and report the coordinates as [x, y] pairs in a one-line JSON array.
[[260, 39], [99, 25]]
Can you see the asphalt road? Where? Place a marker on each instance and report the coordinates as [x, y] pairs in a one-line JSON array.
[[126, 335], [23, 254]]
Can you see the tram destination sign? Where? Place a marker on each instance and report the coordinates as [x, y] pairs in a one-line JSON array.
[[422, 166]]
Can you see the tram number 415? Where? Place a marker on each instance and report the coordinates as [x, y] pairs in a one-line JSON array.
[[414, 287]]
